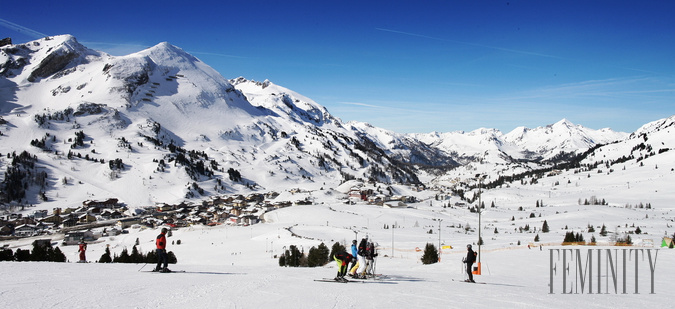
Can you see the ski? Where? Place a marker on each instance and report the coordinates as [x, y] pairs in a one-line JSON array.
[[381, 277], [333, 280], [465, 281], [160, 272]]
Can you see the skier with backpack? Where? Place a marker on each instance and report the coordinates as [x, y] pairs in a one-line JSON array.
[[469, 260], [361, 256], [371, 254]]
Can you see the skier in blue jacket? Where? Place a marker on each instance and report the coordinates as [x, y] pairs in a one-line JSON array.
[[355, 250]]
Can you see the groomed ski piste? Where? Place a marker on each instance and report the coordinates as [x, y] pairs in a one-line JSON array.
[[234, 266]]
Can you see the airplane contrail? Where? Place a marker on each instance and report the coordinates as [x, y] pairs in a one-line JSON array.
[[470, 44], [21, 29]]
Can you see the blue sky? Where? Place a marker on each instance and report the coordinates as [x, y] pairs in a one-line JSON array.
[[410, 67]]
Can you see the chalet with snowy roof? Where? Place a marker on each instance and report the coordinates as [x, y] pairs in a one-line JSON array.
[[239, 203], [271, 195], [303, 202], [108, 214], [378, 199], [236, 211], [278, 205], [165, 207], [40, 213], [249, 220], [255, 198], [109, 203], [124, 223], [41, 227], [355, 195], [74, 238], [234, 220], [85, 218], [67, 210], [54, 219], [6, 229], [25, 230], [69, 221]]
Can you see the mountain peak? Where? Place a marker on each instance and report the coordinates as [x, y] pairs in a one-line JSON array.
[[164, 52]]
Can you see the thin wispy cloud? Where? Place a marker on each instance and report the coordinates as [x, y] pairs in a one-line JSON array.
[[393, 107], [516, 51], [217, 54], [21, 29], [363, 104]]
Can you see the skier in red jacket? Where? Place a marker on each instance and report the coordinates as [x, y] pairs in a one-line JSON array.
[[82, 250], [162, 257]]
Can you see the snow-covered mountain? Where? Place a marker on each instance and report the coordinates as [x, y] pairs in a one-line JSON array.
[[160, 121], [162, 126], [539, 144]]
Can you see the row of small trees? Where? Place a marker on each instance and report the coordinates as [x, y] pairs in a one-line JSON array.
[[40, 252], [135, 257], [317, 256]]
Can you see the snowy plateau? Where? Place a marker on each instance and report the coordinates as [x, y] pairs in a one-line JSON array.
[[159, 128]]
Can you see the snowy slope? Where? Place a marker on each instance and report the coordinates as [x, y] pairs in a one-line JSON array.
[[234, 267]]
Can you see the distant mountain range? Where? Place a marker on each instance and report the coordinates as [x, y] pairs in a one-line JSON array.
[[162, 126]]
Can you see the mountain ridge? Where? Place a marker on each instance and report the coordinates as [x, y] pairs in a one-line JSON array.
[[177, 129]]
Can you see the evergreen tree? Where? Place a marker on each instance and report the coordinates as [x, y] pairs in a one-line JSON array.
[[6, 255], [39, 253], [569, 237], [295, 257], [123, 257], [282, 260], [135, 256], [151, 257], [312, 258], [536, 238], [337, 247], [579, 238], [22, 255], [172, 257], [430, 254], [58, 256], [105, 257], [318, 256], [603, 230]]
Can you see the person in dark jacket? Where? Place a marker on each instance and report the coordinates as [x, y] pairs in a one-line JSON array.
[[162, 256], [371, 254], [361, 257], [469, 260], [342, 259]]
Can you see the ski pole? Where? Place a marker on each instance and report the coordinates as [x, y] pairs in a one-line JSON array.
[[146, 263]]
